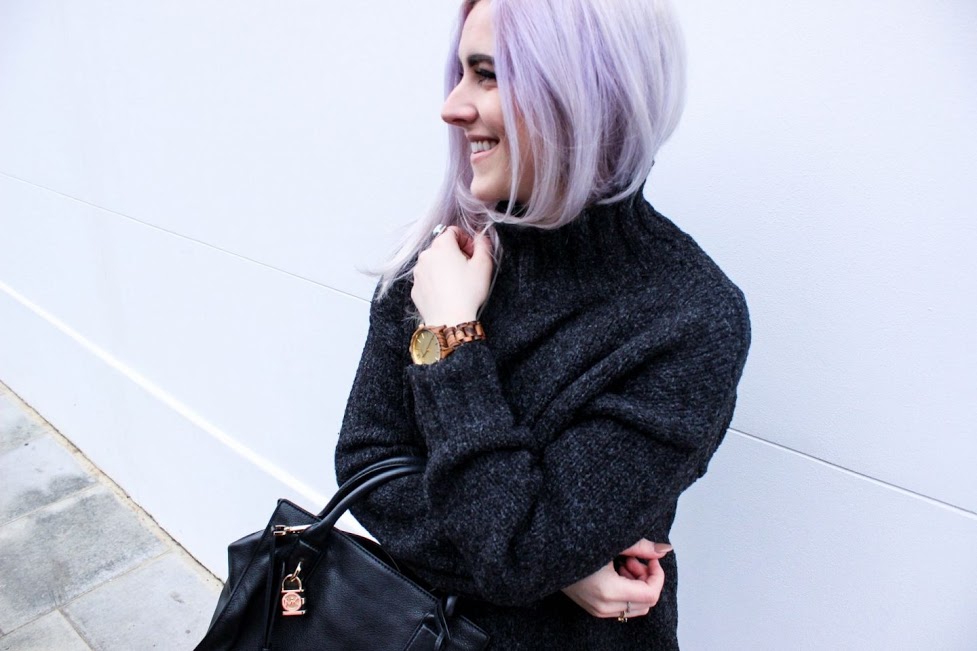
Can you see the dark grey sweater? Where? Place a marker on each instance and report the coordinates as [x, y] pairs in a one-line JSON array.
[[606, 383]]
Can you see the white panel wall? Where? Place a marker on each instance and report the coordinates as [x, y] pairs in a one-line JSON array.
[[828, 161], [268, 130], [188, 189]]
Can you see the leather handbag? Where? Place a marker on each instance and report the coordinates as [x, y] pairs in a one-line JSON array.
[[303, 584]]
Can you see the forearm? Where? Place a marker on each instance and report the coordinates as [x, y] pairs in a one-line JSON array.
[[529, 514], [377, 426]]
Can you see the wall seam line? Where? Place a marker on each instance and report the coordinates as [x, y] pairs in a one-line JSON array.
[[905, 491], [186, 238]]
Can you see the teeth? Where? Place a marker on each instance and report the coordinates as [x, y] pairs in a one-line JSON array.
[[482, 145]]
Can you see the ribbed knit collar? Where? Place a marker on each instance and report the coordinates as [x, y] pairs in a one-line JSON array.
[[583, 257], [601, 231]]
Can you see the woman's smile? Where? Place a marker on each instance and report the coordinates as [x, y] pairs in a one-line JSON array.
[[481, 149]]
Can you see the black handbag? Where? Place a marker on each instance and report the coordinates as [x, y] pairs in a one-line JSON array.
[[303, 584]]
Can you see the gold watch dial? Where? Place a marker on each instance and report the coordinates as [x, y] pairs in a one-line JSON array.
[[424, 348]]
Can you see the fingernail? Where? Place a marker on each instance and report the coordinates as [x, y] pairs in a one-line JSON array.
[[663, 548]]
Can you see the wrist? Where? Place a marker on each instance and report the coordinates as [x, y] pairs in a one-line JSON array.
[[448, 319]]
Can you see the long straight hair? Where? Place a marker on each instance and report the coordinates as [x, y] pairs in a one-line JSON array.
[[599, 86]]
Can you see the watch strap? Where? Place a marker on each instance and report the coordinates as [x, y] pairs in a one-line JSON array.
[[463, 333]]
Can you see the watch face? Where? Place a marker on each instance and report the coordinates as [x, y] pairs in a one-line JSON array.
[[425, 348]]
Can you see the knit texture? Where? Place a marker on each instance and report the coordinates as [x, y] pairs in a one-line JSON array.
[[605, 385]]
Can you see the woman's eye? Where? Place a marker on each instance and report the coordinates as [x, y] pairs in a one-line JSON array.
[[484, 75]]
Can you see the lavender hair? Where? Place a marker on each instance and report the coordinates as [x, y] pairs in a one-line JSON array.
[[598, 84]]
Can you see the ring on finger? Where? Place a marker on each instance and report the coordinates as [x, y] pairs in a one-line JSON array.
[[623, 617], [438, 230]]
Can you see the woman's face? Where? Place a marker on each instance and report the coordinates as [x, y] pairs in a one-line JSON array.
[[475, 107]]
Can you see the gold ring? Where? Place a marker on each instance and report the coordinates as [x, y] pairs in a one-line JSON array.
[[623, 617]]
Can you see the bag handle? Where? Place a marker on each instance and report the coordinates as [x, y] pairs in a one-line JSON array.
[[352, 491], [312, 537], [355, 489], [365, 474]]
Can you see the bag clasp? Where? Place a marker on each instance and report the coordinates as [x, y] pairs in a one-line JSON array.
[[292, 599]]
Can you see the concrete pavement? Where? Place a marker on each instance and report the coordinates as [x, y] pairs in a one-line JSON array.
[[81, 566]]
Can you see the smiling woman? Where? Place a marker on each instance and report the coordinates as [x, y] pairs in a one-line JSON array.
[[562, 409], [475, 106]]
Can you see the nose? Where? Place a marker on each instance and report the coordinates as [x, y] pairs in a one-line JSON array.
[[458, 109]]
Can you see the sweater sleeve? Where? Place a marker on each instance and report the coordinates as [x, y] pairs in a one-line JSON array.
[[507, 517], [531, 517], [377, 426]]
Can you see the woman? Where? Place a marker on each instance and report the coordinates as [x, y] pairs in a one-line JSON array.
[[578, 355]]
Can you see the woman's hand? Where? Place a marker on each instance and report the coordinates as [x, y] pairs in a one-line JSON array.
[[452, 278], [634, 588]]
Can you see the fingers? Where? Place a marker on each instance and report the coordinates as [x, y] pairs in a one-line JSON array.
[[606, 594], [630, 609], [635, 568], [467, 242], [470, 245], [451, 238], [637, 591], [647, 549], [656, 577], [614, 590], [482, 247], [630, 585], [452, 277]]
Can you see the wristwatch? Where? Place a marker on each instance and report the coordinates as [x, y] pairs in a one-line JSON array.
[[430, 344]]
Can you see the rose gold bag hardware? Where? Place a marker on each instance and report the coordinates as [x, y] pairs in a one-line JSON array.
[[282, 530], [292, 599]]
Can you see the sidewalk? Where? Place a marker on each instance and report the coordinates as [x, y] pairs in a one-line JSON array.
[[81, 566]]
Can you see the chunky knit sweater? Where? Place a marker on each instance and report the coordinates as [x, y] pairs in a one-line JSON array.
[[605, 385]]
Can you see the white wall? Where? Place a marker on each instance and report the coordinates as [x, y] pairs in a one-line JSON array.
[[186, 192]]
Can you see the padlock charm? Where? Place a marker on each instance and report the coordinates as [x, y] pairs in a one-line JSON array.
[[292, 599], [292, 603]]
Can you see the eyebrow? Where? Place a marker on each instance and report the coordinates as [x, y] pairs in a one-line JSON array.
[[475, 59]]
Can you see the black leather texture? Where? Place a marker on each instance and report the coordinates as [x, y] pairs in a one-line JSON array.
[[356, 598]]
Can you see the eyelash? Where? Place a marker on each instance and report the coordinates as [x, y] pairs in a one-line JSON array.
[[485, 75]]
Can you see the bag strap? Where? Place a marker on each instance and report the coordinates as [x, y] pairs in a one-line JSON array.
[[352, 491], [355, 489], [365, 474]]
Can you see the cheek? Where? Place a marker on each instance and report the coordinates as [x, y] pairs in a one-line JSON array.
[[491, 111]]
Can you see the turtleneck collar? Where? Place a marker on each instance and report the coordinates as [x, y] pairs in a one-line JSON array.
[[602, 242], [598, 226]]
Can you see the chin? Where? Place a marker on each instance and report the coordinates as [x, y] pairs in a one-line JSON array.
[[488, 194]]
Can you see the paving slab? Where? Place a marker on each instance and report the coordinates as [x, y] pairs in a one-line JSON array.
[[163, 605], [38, 473], [17, 427], [56, 553], [48, 633]]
